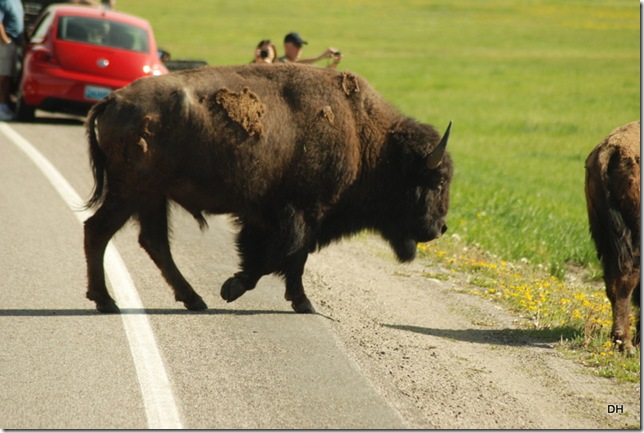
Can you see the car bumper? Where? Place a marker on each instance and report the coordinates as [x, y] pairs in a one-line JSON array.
[[61, 85]]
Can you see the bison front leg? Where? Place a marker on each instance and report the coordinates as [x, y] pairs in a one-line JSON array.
[[291, 269], [251, 245], [99, 229], [153, 219], [265, 252], [237, 285]]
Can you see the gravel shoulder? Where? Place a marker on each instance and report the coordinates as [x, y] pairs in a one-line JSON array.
[[449, 360]]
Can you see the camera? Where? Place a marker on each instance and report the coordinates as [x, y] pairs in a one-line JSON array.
[[263, 54]]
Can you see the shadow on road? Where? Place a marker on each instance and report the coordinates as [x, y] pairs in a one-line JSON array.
[[505, 337], [150, 312]]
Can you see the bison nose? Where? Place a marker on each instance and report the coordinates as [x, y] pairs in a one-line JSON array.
[[444, 229]]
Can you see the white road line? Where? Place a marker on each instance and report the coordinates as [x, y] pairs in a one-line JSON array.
[[160, 406]]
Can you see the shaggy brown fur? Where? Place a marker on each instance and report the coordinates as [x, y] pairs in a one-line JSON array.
[[613, 200], [301, 156]]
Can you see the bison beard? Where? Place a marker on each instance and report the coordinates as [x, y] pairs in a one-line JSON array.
[[405, 250], [300, 156]]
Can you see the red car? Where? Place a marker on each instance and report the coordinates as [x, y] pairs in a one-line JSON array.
[[76, 55]]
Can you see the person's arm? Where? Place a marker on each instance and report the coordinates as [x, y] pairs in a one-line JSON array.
[[329, 53], [336, 59], [4, 37]]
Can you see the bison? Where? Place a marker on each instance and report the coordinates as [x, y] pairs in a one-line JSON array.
[[299, 156], [613, 201]]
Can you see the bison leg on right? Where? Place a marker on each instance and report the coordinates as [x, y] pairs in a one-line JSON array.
[[153, 219], [292, 270], [619, 289]]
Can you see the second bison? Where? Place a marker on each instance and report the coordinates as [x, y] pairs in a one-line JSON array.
[[300, 156], [613, 199]]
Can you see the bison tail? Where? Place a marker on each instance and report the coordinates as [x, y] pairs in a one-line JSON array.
[[96, 156], [609, 230], [621, 246]]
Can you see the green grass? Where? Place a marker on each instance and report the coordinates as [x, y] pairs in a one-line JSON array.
[[532, 86], [571, 314]]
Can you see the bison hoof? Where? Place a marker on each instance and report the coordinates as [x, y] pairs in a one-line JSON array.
[[304, 307], [232, 289], [196, 305], [626, 348], [108, 307]]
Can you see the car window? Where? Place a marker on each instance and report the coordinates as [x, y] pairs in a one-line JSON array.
[[41, 28], [103, 32]]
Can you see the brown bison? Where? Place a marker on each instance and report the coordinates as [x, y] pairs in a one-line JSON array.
[[613, 200], [300, 156]]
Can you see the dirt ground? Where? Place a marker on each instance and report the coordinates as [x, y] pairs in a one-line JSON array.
[[449, 360]]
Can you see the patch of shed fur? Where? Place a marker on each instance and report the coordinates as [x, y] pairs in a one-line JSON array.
[[143, 144], [327, 113], [244, 108], [149, 125], [349, 83]]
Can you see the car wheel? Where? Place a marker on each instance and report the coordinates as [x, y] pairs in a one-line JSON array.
[[24, 111]]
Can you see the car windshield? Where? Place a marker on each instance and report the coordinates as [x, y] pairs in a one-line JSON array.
[[103, 32]]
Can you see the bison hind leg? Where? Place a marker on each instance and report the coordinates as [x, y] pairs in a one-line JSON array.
[[623, 290], [98, 230], [636, 300], [153, 220], [107, 306]]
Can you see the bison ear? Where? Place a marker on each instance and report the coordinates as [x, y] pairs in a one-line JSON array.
[[435, 158]]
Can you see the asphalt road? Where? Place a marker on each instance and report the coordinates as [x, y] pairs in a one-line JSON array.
[[249, 364]]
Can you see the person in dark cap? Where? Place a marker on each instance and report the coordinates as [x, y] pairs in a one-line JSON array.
[[293, 43]]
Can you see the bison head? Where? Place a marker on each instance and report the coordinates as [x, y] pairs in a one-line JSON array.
[[422, 203]]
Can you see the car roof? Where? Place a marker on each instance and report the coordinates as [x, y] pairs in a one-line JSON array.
[[97, 12]]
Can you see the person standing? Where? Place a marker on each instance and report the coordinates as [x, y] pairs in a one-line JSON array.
[[293, 43], [11, 28]]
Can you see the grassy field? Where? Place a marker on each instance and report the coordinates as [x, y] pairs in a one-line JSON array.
[[532, 87]]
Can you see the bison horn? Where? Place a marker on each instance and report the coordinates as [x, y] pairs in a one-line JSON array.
[[434, 159]]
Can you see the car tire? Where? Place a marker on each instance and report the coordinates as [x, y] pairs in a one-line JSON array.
[[24, 111]]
